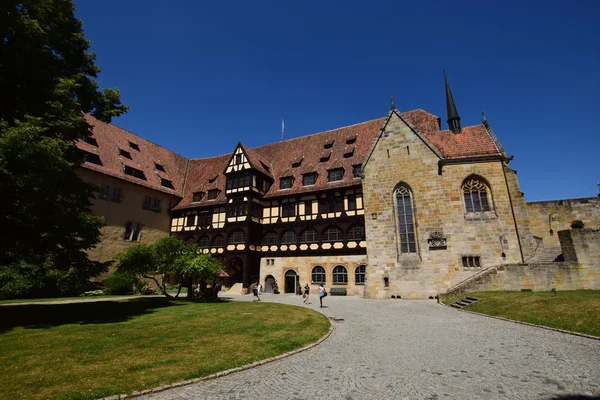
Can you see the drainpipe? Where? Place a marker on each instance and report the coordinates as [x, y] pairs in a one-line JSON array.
[[512, 209]]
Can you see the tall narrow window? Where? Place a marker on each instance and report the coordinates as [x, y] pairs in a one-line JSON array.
[[359, 275], [476, 195], [406, 221], [288, 209]]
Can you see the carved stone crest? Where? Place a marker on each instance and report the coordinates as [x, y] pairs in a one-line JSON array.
[[437, 241]]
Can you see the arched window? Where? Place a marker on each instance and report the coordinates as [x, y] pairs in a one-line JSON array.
[[406, 219], [318, 274], [356, 232], [333, 234], [237, 236], [289, 236], [218, 241], [309, 235], [270, 238], [359, 275], [340, 275], [204, 241], [190, 239], [476, 195]]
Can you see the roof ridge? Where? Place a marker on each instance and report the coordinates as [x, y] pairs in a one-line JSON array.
[[317, 133]]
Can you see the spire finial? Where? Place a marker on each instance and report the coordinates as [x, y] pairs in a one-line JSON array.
[[392, 104], [453, 117], [483, 118]]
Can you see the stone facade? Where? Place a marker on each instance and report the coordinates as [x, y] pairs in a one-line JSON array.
[[549, 217], [402, 156], [128, 209], [302, 267]]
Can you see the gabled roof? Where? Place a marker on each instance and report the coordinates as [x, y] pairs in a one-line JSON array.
[[256, 161], [110, 138]]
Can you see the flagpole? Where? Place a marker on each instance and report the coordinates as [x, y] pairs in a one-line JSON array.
[[282, 128]]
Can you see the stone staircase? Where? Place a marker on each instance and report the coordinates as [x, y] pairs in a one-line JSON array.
[[465, 301], [547, 254], [236, 290]]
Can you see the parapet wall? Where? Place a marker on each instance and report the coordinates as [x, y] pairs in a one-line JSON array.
[[580, 270], [558, 215]]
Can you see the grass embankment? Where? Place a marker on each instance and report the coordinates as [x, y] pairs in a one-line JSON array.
[[92, 350], [576, 310]]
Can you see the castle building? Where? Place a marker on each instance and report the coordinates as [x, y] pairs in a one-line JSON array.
[[393, 206]]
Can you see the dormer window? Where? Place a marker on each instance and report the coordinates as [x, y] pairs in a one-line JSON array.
[[357, 171], [348, 152], [91, 158], [325, 156], [335, 175], [351, 139], [297, 162], [134, 146], [213, 178], [125, 154], [328, 144], [212, 194], [309, 179], [197, 196], [265, 166], [166, 183], [159, 167], [134, 172], [286, 183], [91, 140]]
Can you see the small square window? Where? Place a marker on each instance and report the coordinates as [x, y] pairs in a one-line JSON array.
[[348, 152], [325, 156], [335, 175], [309, 179], [134, 146], [125, 154], [356, 171], [197, 196], [159, 167], [285, 183], [328, 144], [92, 158], [212, 194], [351, 139]]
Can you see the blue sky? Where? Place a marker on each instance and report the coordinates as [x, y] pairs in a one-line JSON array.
[[200, 76]]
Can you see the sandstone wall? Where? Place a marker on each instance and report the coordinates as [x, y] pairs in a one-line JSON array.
[[558, 214], [155, 225], [401, 156], [278, 266]]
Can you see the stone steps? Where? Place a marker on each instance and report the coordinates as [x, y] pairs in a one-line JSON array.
[[547, 254], [237, 290], [465, 301]]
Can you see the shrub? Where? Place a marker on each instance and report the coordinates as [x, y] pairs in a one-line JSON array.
[[120, 283], [92, 293], [577, 224]]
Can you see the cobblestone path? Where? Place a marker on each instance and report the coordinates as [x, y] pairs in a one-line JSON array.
[[395, 349]]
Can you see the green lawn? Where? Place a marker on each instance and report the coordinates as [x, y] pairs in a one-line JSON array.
[[92, 350], [575, 310]]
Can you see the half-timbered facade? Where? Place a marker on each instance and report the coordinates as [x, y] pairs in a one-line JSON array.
[[395, 206]]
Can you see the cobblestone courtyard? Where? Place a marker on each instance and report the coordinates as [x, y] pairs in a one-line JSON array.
[[395, 349]]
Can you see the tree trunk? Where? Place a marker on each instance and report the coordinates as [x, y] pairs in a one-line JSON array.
[[162, 289]]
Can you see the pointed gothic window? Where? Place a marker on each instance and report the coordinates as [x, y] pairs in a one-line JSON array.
[[406, 219], [476, 195]]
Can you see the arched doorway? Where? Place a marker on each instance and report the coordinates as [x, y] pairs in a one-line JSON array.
[[291, 281], [269, 284]]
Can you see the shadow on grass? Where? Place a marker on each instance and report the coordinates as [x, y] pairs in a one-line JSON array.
[[36, 316]]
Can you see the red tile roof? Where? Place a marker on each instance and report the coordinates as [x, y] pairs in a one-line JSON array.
[[111, 139], [276, 159]]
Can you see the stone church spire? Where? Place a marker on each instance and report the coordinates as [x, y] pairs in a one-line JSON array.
[[453, 117]]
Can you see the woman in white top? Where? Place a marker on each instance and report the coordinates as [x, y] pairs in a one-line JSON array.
[[322, 293]]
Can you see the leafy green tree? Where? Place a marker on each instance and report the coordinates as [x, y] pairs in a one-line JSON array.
[[204, 269], [48, 84]]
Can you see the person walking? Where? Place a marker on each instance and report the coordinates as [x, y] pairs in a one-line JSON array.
[[322, 293], [256, 291], [306, 293]]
